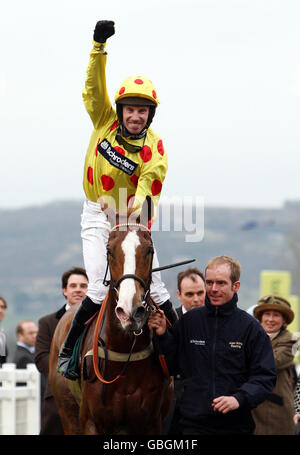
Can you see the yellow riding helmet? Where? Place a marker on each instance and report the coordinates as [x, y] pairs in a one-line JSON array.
[[137, 87]]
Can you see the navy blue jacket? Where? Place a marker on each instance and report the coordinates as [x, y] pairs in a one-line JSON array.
[[220, 350]]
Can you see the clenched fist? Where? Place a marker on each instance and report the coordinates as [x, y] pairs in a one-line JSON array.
[[103, 30]]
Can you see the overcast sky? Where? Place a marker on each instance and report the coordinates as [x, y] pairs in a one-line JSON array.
[[227, 73]]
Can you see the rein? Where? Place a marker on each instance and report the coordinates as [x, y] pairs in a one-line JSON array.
[[136, 356], [95, 350], [95, 346]]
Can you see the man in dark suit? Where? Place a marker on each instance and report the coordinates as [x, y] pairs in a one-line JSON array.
[[190, 290], [24, 353], [26, 334], [74, 287]]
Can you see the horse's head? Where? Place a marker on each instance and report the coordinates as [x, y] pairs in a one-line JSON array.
[[130, 252]]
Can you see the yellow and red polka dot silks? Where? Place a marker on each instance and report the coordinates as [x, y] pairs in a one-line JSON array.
[[100, 177]]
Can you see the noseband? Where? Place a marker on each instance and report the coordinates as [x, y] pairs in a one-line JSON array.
[[129, 275]]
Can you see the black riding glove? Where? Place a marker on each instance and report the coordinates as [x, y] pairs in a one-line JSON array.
[[103, 30]]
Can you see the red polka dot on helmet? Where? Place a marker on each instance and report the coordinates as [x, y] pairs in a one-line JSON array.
[[107, 182], [156, 187], [137, 87]]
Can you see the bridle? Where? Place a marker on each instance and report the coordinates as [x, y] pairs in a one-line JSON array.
[[147, 302]]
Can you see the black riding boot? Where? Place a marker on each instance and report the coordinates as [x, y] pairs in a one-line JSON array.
[[85, 311], [169, 311]]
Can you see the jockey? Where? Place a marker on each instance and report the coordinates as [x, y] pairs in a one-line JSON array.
[[125, 163]]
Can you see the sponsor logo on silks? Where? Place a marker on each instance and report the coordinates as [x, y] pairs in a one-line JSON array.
[[198, 342], [236, 344], [115, 158]]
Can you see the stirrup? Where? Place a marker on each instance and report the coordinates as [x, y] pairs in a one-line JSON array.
[[63, 364], [63, 368]]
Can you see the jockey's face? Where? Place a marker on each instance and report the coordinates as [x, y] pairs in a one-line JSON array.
[[135, 118]]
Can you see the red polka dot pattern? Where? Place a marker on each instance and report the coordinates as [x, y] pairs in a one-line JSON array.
[[139, 81], [122, 90], [134, 179], [156, 187], [160, 147], [154, 94], [119, 150], [146, 153], [107, 182], [114, 125], [90, 175]]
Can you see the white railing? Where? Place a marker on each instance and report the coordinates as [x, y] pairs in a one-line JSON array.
[[19, 405]]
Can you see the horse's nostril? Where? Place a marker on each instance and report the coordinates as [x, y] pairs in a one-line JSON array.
[[121, 315], [138, 312], [120, 312]]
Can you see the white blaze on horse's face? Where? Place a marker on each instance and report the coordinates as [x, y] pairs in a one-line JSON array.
[[127, 287]]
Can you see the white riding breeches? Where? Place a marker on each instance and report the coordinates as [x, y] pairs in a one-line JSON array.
[[94, 233]]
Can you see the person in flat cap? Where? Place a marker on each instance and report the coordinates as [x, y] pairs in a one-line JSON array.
[[275, 415]]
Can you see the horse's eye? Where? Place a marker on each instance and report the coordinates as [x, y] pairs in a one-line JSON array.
[[109, 253]]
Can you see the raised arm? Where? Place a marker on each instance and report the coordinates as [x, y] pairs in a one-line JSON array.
[[95, 94]]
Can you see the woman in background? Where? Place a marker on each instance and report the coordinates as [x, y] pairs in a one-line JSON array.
[[275, 415]]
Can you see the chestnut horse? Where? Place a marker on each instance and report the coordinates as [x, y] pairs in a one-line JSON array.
[[131, 394]]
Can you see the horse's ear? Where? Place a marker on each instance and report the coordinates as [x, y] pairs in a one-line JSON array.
[[147, 212], [110, 213], [112, 216]]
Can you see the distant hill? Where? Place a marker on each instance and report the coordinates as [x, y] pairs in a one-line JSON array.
[[39, 243]]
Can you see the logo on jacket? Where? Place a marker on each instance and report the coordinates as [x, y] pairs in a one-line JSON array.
[[198, 342], [236, 344], [115, 158]]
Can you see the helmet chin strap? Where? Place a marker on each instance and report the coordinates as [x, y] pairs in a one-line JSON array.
[[129, 147]]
